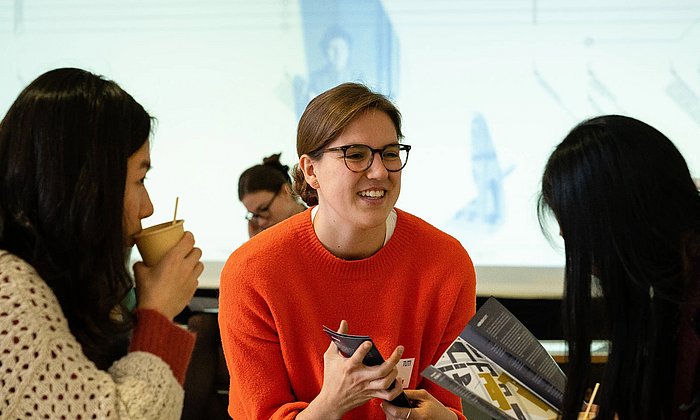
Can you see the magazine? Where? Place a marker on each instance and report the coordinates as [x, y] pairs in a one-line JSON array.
[[499, 367], [347, 345]]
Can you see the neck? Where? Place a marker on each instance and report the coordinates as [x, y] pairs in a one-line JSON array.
[[346, 242]]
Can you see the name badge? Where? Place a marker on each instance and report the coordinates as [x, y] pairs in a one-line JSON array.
[[405, 368]]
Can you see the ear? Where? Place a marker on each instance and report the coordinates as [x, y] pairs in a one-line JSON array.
[[306, 164]]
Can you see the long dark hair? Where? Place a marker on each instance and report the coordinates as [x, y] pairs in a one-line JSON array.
[[629, 214], [64, 146]]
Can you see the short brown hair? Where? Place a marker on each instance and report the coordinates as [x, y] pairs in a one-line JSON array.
[[325, 118]]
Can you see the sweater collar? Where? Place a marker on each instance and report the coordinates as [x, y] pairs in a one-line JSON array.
[[323, 260]]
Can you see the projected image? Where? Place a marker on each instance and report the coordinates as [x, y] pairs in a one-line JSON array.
[[487, 207], [684, 81], [17, 21], [681, 92], [600, 96], [335, 69], [346, 42], [485, 93]]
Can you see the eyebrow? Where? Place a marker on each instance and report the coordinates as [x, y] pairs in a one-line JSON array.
[[145, 164]]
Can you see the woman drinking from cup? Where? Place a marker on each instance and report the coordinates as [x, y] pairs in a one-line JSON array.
[[74, 152]]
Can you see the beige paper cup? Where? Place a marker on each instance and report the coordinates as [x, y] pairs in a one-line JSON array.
[[154, 242]]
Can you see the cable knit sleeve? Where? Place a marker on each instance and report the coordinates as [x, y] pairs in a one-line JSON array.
[[44, 373]]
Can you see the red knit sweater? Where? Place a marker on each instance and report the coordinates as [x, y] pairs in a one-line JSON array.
[[282, 286]]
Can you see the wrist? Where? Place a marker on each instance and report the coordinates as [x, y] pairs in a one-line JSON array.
[[155, 308], [320, 408]]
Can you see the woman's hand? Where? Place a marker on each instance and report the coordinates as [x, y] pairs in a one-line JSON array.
[[425, 406], [347, 383], [169, 286]]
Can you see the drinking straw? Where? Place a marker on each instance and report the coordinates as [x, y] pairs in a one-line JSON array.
[[177, 200], [590, 402]]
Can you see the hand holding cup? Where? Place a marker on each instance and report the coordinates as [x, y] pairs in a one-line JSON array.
[[154, 242], [167, 278]]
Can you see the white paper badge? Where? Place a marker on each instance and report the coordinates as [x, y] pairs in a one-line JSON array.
[[405, 368]]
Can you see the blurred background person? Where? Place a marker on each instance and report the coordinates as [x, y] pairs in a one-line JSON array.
[[266, 192]]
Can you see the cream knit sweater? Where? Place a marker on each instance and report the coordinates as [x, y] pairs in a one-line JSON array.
[[44, 373]]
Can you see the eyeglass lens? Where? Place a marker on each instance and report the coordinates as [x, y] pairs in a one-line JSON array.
[[359, 158]]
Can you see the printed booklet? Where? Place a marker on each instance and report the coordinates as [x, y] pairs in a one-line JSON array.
[[499, 367]]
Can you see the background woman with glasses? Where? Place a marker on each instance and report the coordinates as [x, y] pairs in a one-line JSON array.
[[266, 192], [352, 262]]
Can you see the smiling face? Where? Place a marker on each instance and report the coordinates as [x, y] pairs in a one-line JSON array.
[[137, 203], [357, 201]]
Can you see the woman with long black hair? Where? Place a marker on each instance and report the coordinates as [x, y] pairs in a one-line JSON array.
[[74, 152], [629, 214]]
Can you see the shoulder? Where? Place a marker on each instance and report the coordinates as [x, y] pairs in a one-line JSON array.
[[429, 250], [446, 270], [270, 250], [22, 287], [12, 266], [427, 235], [278, 237], [28, 306]]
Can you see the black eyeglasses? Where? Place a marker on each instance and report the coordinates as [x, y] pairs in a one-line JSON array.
[[359, 157], [263, 211]]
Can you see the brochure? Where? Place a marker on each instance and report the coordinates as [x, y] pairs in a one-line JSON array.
[[499, 367]]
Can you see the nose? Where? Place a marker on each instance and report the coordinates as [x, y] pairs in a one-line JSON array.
[[146, 206], [264, 222], [253, 229], [377, 170]]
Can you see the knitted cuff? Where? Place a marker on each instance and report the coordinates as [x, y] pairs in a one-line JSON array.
[[156, 334]]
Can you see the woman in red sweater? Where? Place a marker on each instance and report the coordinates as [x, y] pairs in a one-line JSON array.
[[352, 262]]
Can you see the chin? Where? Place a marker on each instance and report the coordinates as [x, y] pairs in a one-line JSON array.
[[129, 241], [378, 218]]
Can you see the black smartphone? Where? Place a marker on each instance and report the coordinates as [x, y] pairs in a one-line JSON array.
[[348, 344]]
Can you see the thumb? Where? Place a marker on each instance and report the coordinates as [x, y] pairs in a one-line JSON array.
[[332, 347]]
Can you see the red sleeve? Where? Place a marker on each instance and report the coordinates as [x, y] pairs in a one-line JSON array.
[[154, 333], [260, 386], [460, 415], [463, 310]]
